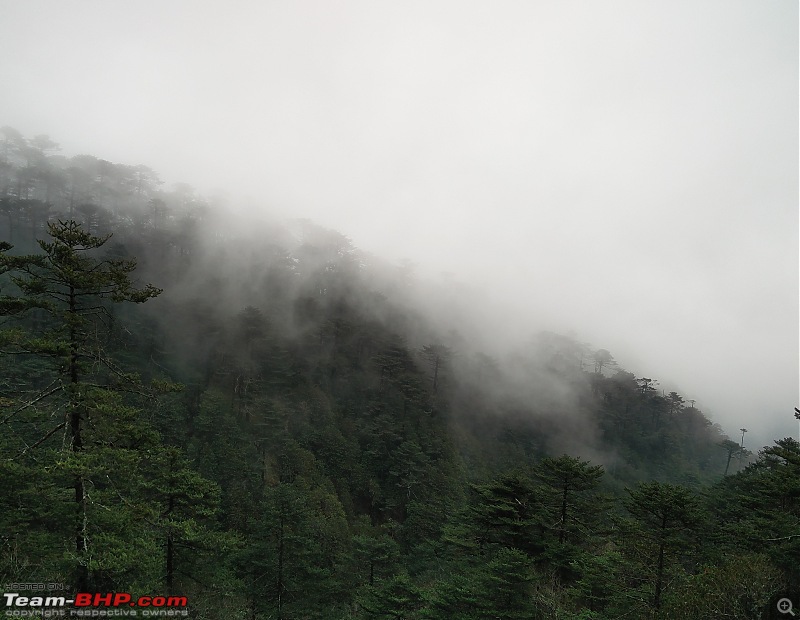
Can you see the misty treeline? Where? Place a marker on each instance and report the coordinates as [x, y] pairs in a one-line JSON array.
[[258, 416]]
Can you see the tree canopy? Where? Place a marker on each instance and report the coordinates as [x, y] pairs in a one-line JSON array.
[[279, 433]]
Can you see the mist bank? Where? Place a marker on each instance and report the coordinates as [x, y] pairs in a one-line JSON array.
[[214, 261], [285, 404]]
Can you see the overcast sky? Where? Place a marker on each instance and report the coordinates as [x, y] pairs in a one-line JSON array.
[[627, 170]]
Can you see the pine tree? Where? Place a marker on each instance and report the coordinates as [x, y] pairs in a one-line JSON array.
[[665, 516], [573, 507], [569, 479], [508, 512], [61, 300], [758, 509]]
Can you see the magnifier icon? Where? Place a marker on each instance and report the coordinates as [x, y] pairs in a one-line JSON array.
[[785, 606]]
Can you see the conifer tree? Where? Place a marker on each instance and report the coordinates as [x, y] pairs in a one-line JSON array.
[[568, 479], [64, 293], [573, 507], [665, 517]]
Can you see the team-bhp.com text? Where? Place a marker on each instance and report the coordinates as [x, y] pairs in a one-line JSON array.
[[94, 605]]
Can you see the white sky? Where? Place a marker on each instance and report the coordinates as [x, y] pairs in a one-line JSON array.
[[627, 170]]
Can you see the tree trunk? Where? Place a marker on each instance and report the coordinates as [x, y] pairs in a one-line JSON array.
[[562, 534], [280, 569], [660, 569], [170, 559], [81, 546]]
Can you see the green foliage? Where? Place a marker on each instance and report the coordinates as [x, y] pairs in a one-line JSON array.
[[572, 506], [666, 519], [508, 513], [741, 587], [758, 510], [64, 290], [395, 597], [295, 557], [322, 460], [456, 596]]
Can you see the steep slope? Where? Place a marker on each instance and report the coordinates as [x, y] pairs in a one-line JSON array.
[[331, 451]]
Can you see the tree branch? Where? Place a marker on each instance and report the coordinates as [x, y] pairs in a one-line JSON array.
[[43, 439], [790, 537], [41, 396]]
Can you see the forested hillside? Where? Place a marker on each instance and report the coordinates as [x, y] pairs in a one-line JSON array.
[[258, 416]]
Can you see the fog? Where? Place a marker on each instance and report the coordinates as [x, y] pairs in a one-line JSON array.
[[625, 171]]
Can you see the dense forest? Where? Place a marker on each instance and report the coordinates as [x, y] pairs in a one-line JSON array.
[[259, 417]]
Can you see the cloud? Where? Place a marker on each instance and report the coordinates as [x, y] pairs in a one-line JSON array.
[[625, 169]]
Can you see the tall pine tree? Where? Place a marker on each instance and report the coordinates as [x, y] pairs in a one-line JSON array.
[[61, 299]]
